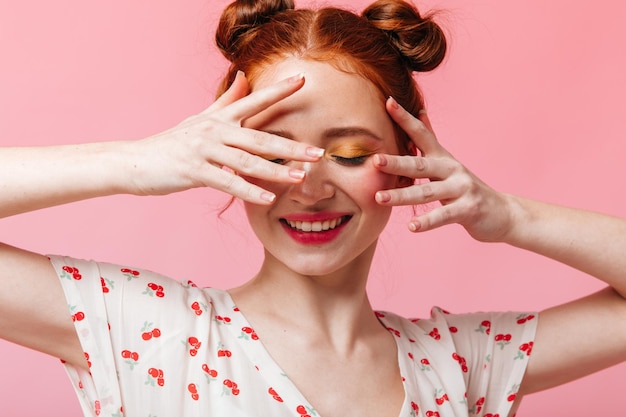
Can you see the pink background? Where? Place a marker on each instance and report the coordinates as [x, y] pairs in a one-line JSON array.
[[530, 98]]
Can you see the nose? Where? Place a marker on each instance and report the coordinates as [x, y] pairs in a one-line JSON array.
[[316, 186]]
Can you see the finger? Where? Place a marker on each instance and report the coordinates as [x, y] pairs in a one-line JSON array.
[[435, 218], [261, 99], [250, 165], [237, 90], [427, 192], [237, 186], [419, 132], [416, 166], [423, 116], [269, 146]]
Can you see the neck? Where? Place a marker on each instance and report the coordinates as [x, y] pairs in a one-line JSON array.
[[325, 305]]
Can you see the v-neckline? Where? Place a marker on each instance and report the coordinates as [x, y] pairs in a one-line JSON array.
[[278, 378]]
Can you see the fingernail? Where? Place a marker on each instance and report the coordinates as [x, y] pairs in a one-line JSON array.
[[413, 227], [269, 197], [240, 73], [296, 78], [314, 152], [383, 196], [380, 160], [393, 103], [296, 174]]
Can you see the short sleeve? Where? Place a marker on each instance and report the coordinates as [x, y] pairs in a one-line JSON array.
[[133, 326], [492, 350], [463, 364]]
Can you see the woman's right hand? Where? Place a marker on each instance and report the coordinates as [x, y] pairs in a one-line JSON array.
[[210, 149]]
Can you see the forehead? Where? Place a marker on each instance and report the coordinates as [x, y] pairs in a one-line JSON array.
[[329, 97]]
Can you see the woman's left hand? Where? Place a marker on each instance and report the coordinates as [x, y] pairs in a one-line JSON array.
[[465, 199]]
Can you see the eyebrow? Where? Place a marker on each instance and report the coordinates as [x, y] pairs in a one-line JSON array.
[[334, 132]]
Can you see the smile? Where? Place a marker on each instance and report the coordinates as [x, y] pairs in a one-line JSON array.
[[316, 226]]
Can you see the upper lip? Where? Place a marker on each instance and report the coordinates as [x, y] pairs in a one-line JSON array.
[[314, 217]]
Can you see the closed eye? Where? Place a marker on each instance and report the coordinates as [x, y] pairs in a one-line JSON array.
[[354, 161]]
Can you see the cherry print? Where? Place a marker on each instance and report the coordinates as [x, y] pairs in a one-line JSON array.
[[230, 386], [248, 331], [148, 333], [485, 327], [430, 413], [502, 340], [525, 350], [379, 314], [126, 354], [190, 283], [302, 411], [97, 407], [435, 334], [193, 390], [87, 359], [453, 329], [511, 397], [224, 353], [105, 288], [79, 316], [414, 320], [195, 306], [211, 372], [236, 309], [153, 289], [70, 271], [442, 399], [131, 358], [523, 318], [157, 374], [271, 391], [424, 361], [461, 360], [492, 415], [394, 331], [415, 408], [410, 355]]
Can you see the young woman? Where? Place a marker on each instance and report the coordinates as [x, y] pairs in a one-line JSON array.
[[333, 136]]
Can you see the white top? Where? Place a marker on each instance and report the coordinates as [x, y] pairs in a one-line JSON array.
[[159, 348]]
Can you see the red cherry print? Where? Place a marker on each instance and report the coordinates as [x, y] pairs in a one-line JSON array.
[[271, 391], [247, 330], [511, 397], [415, 407], [80, 316], [236, 309], [424, 361], [301, 410], [432, 413], [98, 407], [394, 331], [134, 356], [211, 372], [195, 306], [160, 382], [153, 372], [453, 329], [68, 269], [480, 401], [156, 332], [485, 327], [126, 354], [87, 359], [410, 355], [146, 335], [235, 391], [492, 415], [224, 353], [160, 294], [228, 383], [193, 391], [379, 314], [227, 319], [193, 352], [435, 334], [153, 286], [105, 289]]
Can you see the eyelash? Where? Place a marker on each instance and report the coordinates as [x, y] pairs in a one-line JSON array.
[[354, 161]]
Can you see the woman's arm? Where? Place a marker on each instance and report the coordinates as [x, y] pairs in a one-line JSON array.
[[572, 339], [33, 311]]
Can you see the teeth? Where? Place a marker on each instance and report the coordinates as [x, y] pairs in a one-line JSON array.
[[315, 226]]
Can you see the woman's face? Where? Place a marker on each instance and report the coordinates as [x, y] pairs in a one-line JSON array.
[[330, 220]]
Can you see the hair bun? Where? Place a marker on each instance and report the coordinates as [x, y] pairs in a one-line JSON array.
[[419, 39], [240, 19]]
